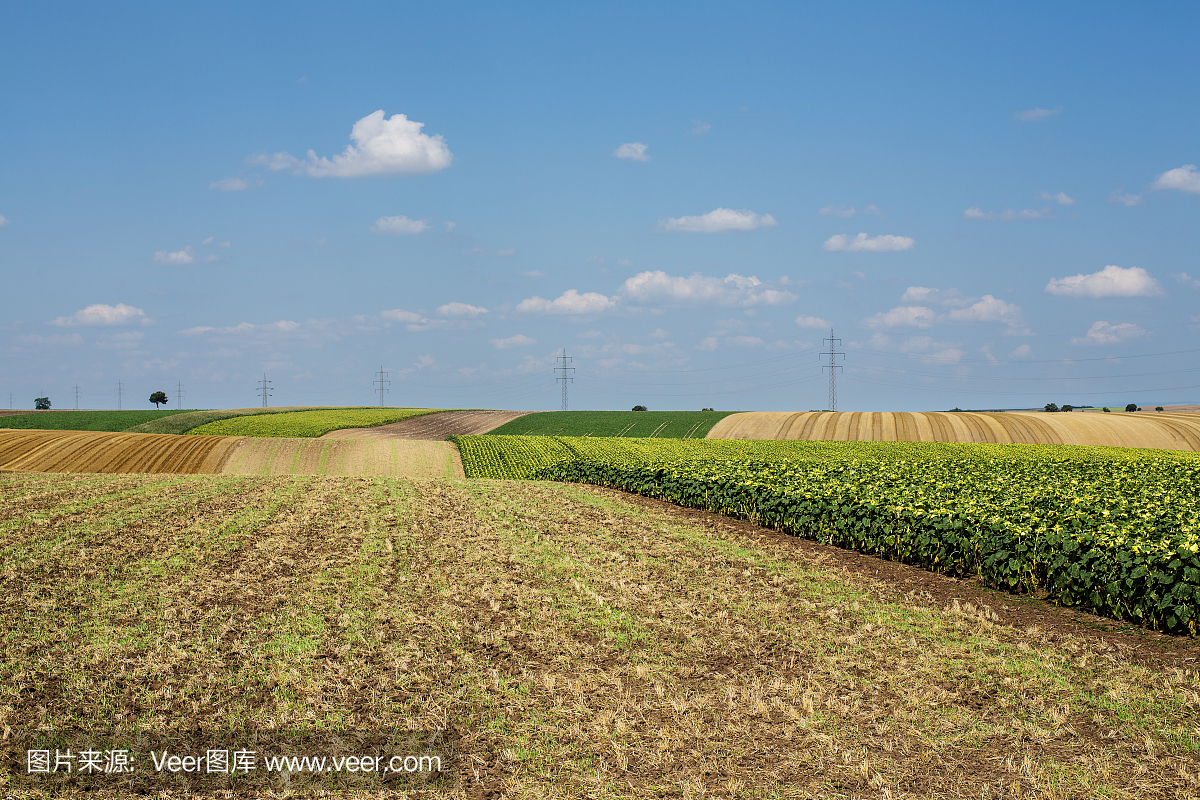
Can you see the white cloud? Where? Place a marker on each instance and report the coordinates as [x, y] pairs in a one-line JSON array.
[[513, 341], [1104, 333], [380, 146], [1184, 178], [1062, 198], [719, 220], [399, 226], [975, 212], [903, 316], [479, 251], [839, 211], [1186, 280], [101, 314], [658, 333], [399, 315], [569, 302], [624, 262], [3, 221], [945, 297], [744, 341], [184, 256], [1024, 351], [632, 151], [990, 309], [1037, 114], [812, 322], [699, 128], [461, 310], [450, 226], [870, 244], [732, 290], [230, 184], [533, 273], [707, 343], [595, 259], [1126, 199], [1112, 281]]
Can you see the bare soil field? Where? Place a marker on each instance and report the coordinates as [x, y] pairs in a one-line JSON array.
[[437, 427], [389, 457], [581, 642], [1153, 430], [87, 451]]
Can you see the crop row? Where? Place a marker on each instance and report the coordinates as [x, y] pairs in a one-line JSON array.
[[1111, 530], [307, 424]]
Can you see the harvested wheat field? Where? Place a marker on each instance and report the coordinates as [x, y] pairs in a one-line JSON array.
[[384, 457], [581, 643], [1118, 429], [436, 427], [88, 451]]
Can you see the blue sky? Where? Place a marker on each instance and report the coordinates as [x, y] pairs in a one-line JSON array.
[[991, 207]]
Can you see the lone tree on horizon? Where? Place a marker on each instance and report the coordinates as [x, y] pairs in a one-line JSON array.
[[158, 397], [41, 404]]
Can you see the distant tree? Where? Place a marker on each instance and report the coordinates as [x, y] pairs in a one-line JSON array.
[[1158, 408], [1107, 409], [1051, 407], [1068, 408], [158, 397], [41, 403], [706, 409], [639, 408], [1131, 407], [956, 408]]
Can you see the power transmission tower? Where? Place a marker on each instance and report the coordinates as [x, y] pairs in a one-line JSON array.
[[833, 368], [10, 401], [77, 397], [179, 394], [120, 391], [564, 377], [383, 384], [265, 388]]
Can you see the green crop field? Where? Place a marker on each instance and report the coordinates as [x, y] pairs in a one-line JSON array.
[[1115, 531], [183, 423], [307, 424], [111, 421], [646, 424]]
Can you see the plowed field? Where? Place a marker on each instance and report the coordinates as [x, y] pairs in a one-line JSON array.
[[1158, 431], [435, 427], [385, 457], [87, 451]]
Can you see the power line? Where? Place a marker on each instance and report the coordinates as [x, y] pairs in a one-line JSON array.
[[383, 384], [564, 358], [265, 389], [833, 368]]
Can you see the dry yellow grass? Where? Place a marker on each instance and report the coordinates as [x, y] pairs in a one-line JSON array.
[[89, 451], [381, 457], [1118, 429]]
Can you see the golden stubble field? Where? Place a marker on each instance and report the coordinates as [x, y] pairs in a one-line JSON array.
[[582, 643], [1160, 431]]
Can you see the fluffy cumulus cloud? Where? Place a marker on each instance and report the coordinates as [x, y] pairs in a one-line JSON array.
[[1186, 280], [281, 326], [1008, 214], [101, 314], [845, 212], [400, 315], [868, 244], [744, 341], [1112, 281], [461, 310], [230, 184], [719, 220], [1104, 333], [380, 146], [3, 221], [1062, 198], [569, 302], [399, 226], [903, 317], [1125, 199], [632, 151], [1184, 178], [990, 309], [519, 340], [943, 297], [813, 322], [185, 256], [732, 290], [1037, 114]]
